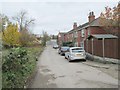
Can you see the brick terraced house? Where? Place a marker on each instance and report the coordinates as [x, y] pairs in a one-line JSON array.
[[96, 41]]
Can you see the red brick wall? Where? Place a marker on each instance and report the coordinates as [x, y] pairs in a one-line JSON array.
[[86, 33], [65, 37], [97, 30], [78, 38], [61, 38], [70, 37], [94, 30]]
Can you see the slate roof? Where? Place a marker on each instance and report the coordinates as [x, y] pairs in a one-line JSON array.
[[72, 30], [84, 25], [95, 22], [100, 36]]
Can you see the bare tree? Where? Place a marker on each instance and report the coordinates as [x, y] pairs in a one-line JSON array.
[[23, 21], [45, 38], [24, 24], [4, 20]]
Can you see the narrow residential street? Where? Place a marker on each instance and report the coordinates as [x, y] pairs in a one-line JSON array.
[[56, 72]]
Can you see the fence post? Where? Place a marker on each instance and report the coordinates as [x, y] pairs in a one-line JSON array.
[[92, 49], [103, 48]]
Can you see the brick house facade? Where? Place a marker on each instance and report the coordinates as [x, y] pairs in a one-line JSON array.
[[79, 36], [61, 38]]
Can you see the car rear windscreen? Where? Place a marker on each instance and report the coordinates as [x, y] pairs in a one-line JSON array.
[[65, 48], [78, 50]]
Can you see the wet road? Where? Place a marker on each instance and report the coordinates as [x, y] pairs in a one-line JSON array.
[[56, 72]]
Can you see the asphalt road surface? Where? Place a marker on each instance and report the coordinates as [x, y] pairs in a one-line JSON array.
[[56, 72]]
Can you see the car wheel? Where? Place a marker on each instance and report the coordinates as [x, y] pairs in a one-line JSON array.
[[65, 57], [69, 59], [61, 54]]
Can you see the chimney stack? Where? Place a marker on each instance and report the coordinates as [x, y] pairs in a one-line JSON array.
[[74, 25], [91, 16]]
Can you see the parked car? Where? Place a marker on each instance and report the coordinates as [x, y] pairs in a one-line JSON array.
[[55, 46], [75, 53], [62, 50]]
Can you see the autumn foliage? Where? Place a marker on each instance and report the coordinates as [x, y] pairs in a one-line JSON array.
[[11, 35], [110, 20]]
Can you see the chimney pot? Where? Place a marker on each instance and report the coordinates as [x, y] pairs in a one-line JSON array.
[[74, 25], [91, 16]]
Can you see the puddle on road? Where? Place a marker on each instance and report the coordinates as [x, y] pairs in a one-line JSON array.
[[79, 72], [61, 76], [45, 70]]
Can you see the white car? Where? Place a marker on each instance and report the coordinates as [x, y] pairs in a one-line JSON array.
[[55, 46], [75, 53]]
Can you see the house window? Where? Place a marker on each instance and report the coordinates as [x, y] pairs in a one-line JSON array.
[[75, 34], [88, 31], [83, 33], [59, 35], [82, 44], [76, 44], [72, 35]]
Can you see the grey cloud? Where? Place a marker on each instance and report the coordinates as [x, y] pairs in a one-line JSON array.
[[55, 16]]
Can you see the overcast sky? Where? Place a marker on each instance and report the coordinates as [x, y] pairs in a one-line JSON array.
[[55, 15]]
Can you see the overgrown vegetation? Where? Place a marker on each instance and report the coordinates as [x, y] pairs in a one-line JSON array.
[[20, 49], [18, 65], [45, 38]]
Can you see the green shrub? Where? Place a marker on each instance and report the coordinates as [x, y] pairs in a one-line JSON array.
[[14, 67]]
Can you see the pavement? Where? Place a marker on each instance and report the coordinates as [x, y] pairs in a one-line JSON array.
[[110, 69], [54, 71]]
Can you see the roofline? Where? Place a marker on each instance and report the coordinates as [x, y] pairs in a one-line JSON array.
[[115, 37], [88, 24], [80, 27]]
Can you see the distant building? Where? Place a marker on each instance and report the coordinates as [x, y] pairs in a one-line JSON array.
[[61, 38]]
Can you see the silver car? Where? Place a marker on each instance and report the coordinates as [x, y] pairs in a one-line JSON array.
[[62, 50], [75, 53]]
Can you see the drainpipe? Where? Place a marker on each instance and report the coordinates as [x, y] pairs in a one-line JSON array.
[[92, 49], [103, 48]]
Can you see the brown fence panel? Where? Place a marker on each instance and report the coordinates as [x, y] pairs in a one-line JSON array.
[[97, 47], [118, 47], [90, 46], [111, 48]]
